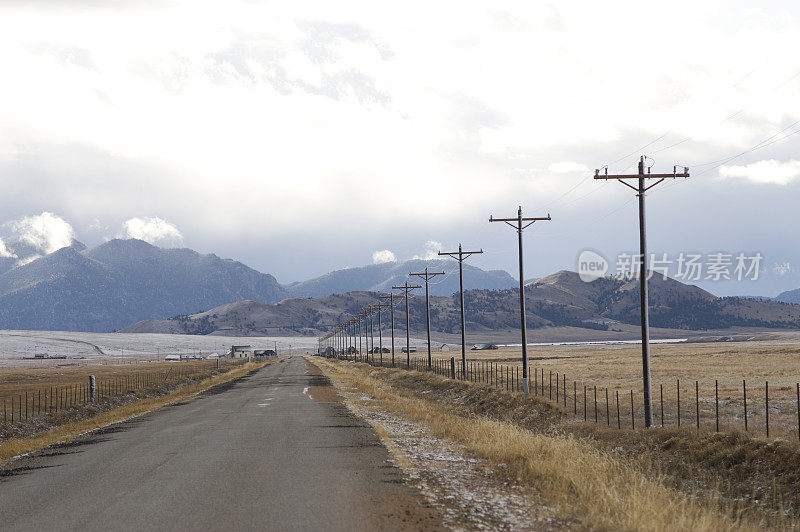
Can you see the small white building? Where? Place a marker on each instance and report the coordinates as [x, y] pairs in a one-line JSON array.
[[240, 351]]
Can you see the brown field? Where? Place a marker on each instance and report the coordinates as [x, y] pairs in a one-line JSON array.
[[51, 384], [606, 479], [618, 368]]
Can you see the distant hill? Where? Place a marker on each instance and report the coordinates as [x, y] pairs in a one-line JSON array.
[[790, 296], [251, 318], [558, 300], [121, 281], [381, 277]]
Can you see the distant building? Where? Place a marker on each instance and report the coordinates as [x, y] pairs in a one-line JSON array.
[[240, 351], [444, 347], [265, 353], [412, 349]]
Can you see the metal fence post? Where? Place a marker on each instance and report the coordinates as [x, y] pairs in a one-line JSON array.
[[633, 422], [697, 402], [744, 392], [766, 404], [716, 402]]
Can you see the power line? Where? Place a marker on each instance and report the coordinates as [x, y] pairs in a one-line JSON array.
[[517, 224], [427, 276], [642, 188], [406, 288], [460, 256]]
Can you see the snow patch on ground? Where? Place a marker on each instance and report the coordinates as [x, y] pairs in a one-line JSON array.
[[471, 494]]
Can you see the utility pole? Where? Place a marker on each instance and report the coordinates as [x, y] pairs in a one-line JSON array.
[[390, 297], [427, 276], [406, 288], [644, 305], [379, 306], [358, 317], [517, 223], [370, 310], [460, 256]]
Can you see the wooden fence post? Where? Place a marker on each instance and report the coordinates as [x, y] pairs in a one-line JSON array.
[[608, 417], [678, 388]]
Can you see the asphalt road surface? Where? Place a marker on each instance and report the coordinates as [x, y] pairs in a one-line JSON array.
[[260, 453]]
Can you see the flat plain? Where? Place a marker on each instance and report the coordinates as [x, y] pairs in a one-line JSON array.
[[697, 365]]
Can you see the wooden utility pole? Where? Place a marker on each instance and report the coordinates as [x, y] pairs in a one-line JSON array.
[[640, 190], [460, 256], [517, 223], [390, 297], [378, 307], [406, 288], [427, 276]]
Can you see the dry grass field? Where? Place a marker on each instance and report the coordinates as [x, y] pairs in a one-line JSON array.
[[606, 479], [618, 368], [26, 393]]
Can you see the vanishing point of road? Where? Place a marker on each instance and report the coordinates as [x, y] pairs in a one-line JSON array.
[[260, 453]]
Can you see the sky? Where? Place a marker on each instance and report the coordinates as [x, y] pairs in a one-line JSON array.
[[302, 137]]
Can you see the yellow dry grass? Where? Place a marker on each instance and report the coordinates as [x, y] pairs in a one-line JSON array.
[[604, 492], [15, 381], [15, 447], [619, 367]]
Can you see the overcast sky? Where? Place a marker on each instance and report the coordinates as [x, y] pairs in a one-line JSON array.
[[300, 137]]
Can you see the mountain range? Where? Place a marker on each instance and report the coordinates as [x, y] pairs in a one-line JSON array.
[[124, 282], [120, 282], [558, 300], [381, 278]]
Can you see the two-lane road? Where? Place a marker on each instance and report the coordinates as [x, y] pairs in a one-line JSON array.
[[257, 454]]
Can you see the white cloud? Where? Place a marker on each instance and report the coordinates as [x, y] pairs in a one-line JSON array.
[[764, 172], [153, 230], [568, 167], [782, 269], [432, 248], [45, 232], [383, 256], [4, 252]]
